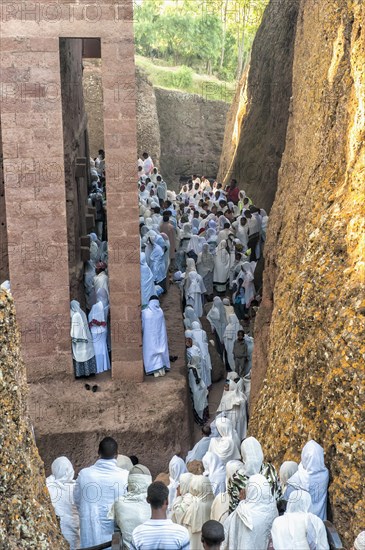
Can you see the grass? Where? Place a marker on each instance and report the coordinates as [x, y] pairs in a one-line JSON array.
[[185, 80]]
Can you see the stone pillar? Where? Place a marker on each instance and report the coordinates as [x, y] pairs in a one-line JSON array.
[[31, 119]]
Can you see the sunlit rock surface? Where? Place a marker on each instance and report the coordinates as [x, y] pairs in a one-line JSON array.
[[308, 378], [26, 514]]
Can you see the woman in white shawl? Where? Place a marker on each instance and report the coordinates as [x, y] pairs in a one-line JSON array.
[[201, 340], [247, 274], [198, 511], [221, 267], [287, 470], [147, 281], [61, 488], [176, 467], [229, 338], [298, 528], [312, 476], [225, 446], [220, 506], [198, 389], [215, 470], [154, 339], [195, 292], [132, 509], [196, 244], [218, 322], [190, 267], [99, 333], [190, 317], [211, 238], [83, 354], [233, 406], [183, 498], [249, 525], [205, 267]]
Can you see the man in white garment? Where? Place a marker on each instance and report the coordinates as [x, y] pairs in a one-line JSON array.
[[96, 490], [101, 279], [200, 448], [147, 164]]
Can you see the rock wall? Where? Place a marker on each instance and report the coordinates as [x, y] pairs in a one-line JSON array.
[[192, 131], [308, 369], [27, 519], [256, 125], [148, 129]]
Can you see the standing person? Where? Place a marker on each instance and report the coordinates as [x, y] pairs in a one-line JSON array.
[[201, 340], [205, 267], [147, 281], [83, 354], [177, 467], [200, 448], [147, 164], [215, 471], [240, 354], [96, 490], [157, 261], [253, 234], [167, 228], [195, 293], [155, 345], [249, 525], [229, 338], [61, 487], [221, 267], [101, 279], [233, 193], [161, 190], [198, 390], [198, 511], [99, 332], [159, 532], [218, 322]]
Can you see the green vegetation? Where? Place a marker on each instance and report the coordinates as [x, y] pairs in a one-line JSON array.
[[184, 79], [212, 37]]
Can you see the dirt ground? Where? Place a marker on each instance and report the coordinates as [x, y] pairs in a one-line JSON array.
[[152, 420]]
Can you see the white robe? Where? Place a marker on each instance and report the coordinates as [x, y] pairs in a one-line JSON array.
[[221, 265], [198, 390], [96, 490], [201, 340], [199, 450], [155, 345], [101, 281], [214, 469], [233, 407], [229, 338], [99, 335], [147, 281]]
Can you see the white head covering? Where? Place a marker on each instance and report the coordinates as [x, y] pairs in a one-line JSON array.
[[312, 476], [215, 470], [224, 446], [217, 317], [176, 467], [124, 462], [82, 346], [62, 470], [287, 469], [359, 543], [198, 511], [252, 456], [6, 286], [196, 244]]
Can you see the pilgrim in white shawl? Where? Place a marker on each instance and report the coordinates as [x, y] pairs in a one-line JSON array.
[[176, 467], [61, 486], [218, 322], [96, 490], [287, 470], [132, 509], [221, 267], [226, 446], [241, 355], [147, 281], [101, 279], [229, 338], [154, 338], [201, 447], [312, 476], [205, 267], [233, 406], [195, 292], [249, 525], [83, 354], [198, 390], [220, 506], [298, 528], [198, 511], [201, 340], [190, 317], [99, 333], [183, 498], [215, 470]]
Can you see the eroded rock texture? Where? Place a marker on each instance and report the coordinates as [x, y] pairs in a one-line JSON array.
[[26, 514], [256, 125], [309, 335]]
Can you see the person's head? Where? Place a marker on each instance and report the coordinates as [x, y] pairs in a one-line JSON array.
[[159, 178], [246, 201], [166, 216], [243, 221], [212, 535], [134, 459], [108, 448], [196, 214], [206, 431], [226, 225], [233, 183], [196, 186], [195, 467], [155, 171], [219, 185], [163, 477], [156, 209], [240, 335], [238, 256], [214, 209], [148, 180], [101, 153], [217, 194], [140, 168], [158, 495], [188, 341], [145, 155], [100, 266], [248, 214]]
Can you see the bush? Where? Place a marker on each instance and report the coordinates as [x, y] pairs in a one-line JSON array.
[[183, 78]]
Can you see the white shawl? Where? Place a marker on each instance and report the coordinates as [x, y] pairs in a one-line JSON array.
[[82, 344]]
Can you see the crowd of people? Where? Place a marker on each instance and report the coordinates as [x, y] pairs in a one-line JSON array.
[[223, 494]]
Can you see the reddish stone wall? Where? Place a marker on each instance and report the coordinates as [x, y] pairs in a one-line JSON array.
[[32, 134], [4, 262]]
